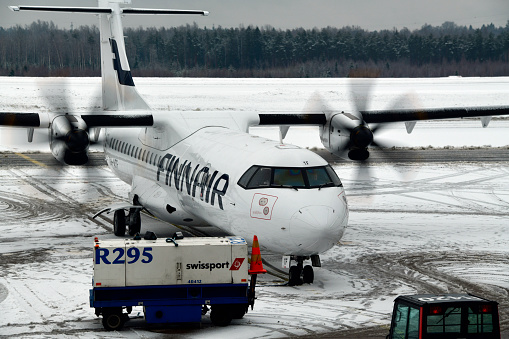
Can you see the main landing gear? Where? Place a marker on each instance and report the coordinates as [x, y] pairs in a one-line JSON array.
[[300, 274], [121, 221]]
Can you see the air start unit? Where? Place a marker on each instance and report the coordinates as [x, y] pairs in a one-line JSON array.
[[175, 280]]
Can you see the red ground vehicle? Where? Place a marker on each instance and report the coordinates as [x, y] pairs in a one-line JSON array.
[[424, 316]]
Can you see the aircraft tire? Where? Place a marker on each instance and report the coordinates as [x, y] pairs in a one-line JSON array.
[[308, 276], [119, 223], [294, 276], [134, 222]]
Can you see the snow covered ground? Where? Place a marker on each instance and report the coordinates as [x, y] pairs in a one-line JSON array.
[[416, 227]]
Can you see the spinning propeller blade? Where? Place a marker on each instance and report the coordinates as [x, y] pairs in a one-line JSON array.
[[362, 137]]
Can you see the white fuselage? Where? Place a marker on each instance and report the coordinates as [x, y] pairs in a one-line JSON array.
[[192, 178]]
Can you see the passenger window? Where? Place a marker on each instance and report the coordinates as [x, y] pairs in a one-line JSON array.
[[288, 177], [261, 178]]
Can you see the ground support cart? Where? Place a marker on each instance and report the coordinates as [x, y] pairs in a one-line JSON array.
[[171, 304], [175, 280]]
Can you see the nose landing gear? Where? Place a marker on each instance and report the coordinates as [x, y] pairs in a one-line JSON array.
[[300, 274], [121, 221], [132, 221]]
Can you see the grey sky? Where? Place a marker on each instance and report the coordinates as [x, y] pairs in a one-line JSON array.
[[368, 14]]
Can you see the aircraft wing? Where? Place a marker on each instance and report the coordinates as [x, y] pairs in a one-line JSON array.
[[103, 119], [432, 113], [384, 116], [30, 120]]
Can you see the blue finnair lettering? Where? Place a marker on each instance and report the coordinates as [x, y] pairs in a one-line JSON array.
[[193, 180]]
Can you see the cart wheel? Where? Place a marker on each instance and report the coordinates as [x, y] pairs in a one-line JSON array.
[[221, 315], [238, 311], [113, 321], [119, 223]]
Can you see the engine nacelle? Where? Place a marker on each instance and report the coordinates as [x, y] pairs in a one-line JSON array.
[[69, 140], [346, 136]]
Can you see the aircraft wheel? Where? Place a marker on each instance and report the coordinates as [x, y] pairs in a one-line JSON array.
[[308, 275], [294, 276], [113, 320], [220, 315], [119, 223], [134, 222]]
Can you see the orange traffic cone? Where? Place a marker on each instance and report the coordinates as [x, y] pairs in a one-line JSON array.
[[256, 266]]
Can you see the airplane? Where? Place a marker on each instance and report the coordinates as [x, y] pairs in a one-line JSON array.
[[204, 168]]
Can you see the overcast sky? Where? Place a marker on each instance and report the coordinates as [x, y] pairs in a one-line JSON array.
[[368, 14]]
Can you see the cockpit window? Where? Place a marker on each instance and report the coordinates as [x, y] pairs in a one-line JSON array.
[[318, 176], [289, 177], [261, 178], [244, 180], [333, 176]]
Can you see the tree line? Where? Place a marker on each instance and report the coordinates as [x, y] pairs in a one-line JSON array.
[[43, 49]]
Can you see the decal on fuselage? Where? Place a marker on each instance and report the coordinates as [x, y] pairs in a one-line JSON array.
[[262, 206], [190, 180]]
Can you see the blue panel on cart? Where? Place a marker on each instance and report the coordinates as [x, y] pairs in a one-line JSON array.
[[173, 314]]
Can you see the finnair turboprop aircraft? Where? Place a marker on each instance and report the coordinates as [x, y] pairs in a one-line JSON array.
[[204, 168]]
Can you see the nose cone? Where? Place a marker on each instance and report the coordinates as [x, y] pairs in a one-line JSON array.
[[315, 229]]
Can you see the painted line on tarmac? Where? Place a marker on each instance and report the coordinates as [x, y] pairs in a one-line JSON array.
[[26, 157]]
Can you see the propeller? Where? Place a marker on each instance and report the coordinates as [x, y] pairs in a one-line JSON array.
[[357, 136], [70, 136], [363, 136]]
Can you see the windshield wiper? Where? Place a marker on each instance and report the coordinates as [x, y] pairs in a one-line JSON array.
[[286, 186], [327, 184], [447, 314]]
